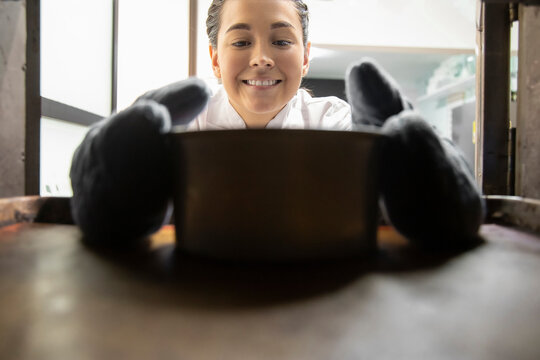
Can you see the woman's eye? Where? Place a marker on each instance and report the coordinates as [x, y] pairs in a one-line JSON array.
[[282, 43], [240, 43]]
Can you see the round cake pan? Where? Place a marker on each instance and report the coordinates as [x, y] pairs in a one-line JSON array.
[[276, 194]]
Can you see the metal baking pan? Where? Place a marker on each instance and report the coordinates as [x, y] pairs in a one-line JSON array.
[[276, 194]]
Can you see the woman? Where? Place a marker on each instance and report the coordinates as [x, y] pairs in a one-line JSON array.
[[259, 48], [260, 52]]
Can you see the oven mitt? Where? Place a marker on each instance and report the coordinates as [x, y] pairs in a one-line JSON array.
[[121, 173], [428, 191], [373, 94]]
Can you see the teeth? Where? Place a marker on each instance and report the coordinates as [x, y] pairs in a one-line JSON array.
[[262, 82]]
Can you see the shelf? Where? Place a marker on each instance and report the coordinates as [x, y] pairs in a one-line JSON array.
[[447, 90]]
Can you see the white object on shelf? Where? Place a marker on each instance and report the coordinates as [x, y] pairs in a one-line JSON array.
[[447, 90]]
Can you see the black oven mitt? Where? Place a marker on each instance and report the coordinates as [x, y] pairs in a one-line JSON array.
[[121, 173], [428, 190]]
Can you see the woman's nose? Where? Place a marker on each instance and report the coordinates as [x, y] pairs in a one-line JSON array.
[[261, 57]]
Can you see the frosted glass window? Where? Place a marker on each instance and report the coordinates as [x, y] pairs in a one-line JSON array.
[[152, 46], [394, 23], [204, 65], [59, 139], [76, 48]]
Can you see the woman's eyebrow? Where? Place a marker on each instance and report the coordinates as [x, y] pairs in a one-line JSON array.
[[281, 24], [244, 26], [239, 26]]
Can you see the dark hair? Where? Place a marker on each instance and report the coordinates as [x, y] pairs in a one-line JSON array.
[[213, 21]]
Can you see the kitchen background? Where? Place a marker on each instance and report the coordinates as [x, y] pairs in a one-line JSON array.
[[428, 46]]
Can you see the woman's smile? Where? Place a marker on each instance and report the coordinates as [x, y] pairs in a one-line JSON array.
[[262, 83]]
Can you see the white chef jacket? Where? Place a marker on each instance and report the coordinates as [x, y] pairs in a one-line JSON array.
[[302, 112]]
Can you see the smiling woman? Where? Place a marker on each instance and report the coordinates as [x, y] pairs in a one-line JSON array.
[[260, 57], [260, 52], [121, 173]]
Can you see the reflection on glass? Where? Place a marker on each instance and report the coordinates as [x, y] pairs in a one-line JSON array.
[[204, 65], [76, 45], [394, 23], [152, 46], [59, 139]]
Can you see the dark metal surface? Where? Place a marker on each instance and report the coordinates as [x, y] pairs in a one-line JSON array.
[[526, 2], [114, 57], [63, 300], [35, 209], [528, 102], [57, 110], [276, 194], [12, 99], [493, 97], [512, 162], [193, 38], [32, 69], [514, 211]]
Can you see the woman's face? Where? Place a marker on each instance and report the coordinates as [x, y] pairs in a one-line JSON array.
[[260, 57]]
